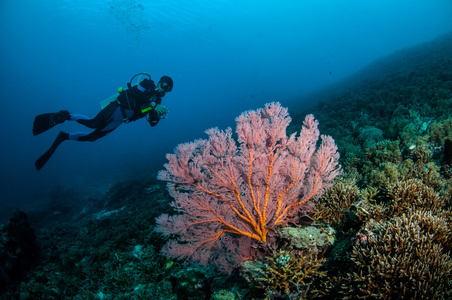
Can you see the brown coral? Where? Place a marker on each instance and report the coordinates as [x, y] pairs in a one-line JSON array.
[[412, 194], [399, 198], [333, 206], [290, 273], [407, 257]]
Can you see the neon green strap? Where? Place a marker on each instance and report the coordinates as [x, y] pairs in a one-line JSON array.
[[146, 110]]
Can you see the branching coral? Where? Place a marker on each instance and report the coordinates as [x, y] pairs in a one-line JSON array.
[[401, 197], [290, 273], [333, 206], [403, 250], [412, 194], [407, 257]]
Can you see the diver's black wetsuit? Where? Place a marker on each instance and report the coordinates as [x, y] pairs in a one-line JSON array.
[[131, 105]]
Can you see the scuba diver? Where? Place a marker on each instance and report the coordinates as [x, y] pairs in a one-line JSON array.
[[138, 101]]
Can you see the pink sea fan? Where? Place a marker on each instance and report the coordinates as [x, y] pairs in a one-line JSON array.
[[230, 193]]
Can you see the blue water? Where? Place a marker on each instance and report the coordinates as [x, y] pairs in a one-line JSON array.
[[224, 56]]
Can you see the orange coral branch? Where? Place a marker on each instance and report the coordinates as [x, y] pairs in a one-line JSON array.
[[260, 236], [245, 218], [283, 215], [248, 218], [267, 192], [259, 229], [222, 221], [279, 200]]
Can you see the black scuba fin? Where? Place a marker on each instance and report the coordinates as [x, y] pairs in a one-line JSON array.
[[62, 136], [46, 121]]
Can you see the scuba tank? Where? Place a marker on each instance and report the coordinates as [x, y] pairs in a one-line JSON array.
[[104, 103]]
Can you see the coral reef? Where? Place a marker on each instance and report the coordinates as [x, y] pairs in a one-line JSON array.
[[401, 248], [335, 204], [292, 262], [406, 257], [289, 273], [382, 231]]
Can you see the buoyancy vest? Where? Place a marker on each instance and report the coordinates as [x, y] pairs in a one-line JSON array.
[[140, 98]]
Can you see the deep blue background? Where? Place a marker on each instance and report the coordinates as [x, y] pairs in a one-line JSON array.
[[224, 56]]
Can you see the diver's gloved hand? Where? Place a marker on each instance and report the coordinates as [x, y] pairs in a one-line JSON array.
[[161, 110]]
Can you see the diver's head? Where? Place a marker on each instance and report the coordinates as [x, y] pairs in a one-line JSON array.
[[166, 83]]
